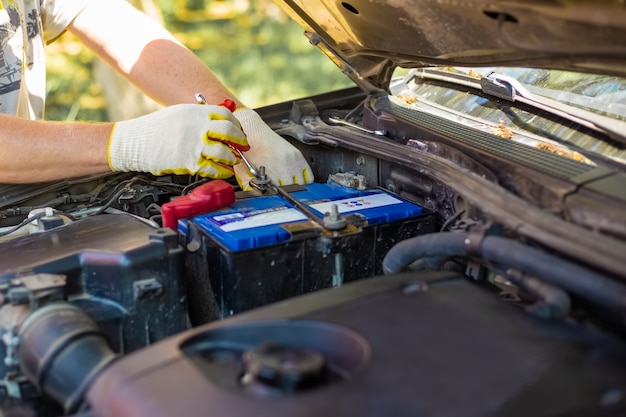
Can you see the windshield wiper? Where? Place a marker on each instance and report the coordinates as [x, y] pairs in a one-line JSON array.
[[508, 88]]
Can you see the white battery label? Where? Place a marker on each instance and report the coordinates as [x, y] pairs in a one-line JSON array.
[[256, 218], [348, 205]]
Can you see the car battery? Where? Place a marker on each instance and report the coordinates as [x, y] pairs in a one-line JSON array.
[[264, 249]]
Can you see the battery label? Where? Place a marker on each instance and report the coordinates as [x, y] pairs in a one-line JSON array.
[[256, 218], [348, 205]]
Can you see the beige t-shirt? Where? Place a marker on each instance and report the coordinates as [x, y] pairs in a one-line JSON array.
[[25, 27]]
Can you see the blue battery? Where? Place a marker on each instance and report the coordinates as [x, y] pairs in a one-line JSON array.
[[261, 250], [258, 222]]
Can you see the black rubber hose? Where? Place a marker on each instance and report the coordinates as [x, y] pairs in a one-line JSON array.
[[61, 351], [553, 302], [578, 280], [430, 245]]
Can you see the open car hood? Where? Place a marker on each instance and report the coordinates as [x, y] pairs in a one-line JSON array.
[[367, 39]]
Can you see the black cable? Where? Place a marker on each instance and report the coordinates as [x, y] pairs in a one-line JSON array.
[[24, 223], [165, 185], [110, 202], [125, 186], [194, 185], [117, 191], [451, 220], [59, 201]]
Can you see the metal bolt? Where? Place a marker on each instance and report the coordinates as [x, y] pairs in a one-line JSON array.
[[260, 180], [334, 220]]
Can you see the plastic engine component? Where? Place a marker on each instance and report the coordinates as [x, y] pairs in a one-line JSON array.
[[401, 345], [203, 199]]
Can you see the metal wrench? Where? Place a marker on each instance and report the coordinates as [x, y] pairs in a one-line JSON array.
[[262, 182], [251, 168]]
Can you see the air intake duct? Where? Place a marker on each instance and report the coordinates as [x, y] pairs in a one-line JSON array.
[[61, 351]]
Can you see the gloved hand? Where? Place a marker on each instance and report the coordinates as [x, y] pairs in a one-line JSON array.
[[284, 163], [181, 139]]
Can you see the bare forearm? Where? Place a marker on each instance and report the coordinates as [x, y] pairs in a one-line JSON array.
[[147, 54], [184, 73], [32, 151]]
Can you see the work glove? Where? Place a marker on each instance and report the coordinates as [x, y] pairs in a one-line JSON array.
[[181, 139], [283, 162]]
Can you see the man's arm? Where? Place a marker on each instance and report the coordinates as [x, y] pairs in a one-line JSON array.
[[33, 151], [165, 142], [147, 54], [173, 140]]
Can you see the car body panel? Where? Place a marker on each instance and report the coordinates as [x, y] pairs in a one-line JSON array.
[[367, 38]]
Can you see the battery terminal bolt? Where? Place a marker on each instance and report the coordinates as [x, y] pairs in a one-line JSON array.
[[260, 180], [334, 220]]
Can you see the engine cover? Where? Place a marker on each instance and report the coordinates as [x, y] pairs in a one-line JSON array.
[[404, 345]]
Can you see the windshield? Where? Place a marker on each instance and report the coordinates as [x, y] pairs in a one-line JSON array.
[[603, 96]]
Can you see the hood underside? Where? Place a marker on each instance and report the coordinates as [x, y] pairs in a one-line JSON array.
[[367, 39]]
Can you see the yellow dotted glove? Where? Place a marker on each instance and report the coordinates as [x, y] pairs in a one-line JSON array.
[[181, 139], [284, 163]]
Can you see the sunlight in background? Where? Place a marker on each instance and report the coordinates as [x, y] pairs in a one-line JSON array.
[[251, 46]]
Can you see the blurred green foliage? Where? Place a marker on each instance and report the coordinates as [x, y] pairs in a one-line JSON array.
[[72, 93], [251, 45]]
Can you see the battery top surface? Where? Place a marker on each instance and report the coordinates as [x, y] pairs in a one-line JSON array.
[[256, 222]]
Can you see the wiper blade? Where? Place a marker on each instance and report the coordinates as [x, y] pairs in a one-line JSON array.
[[512, 90], [508, 88]]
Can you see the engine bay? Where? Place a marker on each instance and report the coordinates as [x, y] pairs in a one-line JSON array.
[[516, 255]]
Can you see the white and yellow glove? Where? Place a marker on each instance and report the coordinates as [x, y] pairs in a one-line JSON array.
[[284, 163], [181, 139]]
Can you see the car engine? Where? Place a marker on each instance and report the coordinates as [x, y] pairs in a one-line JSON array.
[[440, 270]]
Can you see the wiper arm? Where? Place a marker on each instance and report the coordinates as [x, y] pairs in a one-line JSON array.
[[508, 88]]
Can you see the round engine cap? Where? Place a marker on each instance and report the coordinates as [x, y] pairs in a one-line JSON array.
[[287, 368]]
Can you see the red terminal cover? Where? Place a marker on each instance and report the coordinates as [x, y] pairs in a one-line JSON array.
[[203, 199]]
